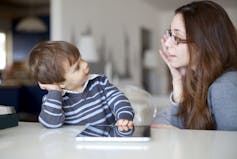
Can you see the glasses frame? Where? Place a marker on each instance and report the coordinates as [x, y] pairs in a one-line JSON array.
[[177, 40]]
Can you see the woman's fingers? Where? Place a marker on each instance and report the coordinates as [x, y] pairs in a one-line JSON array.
[[163, 40], [164, 56]]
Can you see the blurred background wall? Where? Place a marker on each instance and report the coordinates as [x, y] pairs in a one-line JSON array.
[[125, 34]]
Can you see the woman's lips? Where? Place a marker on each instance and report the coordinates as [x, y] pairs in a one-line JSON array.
[[170, 57]]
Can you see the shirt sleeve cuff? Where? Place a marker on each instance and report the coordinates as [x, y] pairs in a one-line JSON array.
[[54, 94], [172, 100], [129, 116]]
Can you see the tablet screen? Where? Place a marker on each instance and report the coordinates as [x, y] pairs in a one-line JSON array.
[[114, 133]]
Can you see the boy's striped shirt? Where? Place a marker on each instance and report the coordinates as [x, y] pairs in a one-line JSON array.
[[99, 103]]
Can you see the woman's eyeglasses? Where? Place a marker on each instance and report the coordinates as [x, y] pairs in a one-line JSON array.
[[176, 40]]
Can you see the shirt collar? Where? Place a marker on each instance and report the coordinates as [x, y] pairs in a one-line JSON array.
[[91, 77]]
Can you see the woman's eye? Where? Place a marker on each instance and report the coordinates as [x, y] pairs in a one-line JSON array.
[[177, 39]]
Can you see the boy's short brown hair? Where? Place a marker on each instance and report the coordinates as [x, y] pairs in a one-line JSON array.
[[47, 60]]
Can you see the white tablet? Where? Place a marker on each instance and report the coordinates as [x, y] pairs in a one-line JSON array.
[[114, 133]]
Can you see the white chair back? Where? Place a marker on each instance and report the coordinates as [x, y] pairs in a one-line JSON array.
[[141, 102]]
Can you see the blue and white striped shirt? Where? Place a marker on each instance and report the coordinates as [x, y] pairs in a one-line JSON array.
[[100, 103]]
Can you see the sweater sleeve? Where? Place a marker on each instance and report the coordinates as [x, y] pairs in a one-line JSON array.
[[168, 116], [52, 114], [222, 100], [117, 101]]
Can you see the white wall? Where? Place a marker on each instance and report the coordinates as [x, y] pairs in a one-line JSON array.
[[108, 19], [164, 18], [232, 12]]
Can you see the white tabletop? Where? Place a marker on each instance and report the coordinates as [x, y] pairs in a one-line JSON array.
[[32, 141]]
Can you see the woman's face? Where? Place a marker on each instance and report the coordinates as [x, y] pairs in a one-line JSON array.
[[178, 53]]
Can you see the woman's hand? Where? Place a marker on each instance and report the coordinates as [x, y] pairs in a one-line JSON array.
[[50, 87], [176, 73]]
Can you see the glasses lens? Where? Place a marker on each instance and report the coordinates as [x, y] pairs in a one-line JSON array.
[[173, 38], [176, 40]]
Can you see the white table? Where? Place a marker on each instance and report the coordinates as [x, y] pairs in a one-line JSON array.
[[32, 141]]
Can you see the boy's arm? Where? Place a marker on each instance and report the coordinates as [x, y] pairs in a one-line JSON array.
[[118, 102], [52, 114]]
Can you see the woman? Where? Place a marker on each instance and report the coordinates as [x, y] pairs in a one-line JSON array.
[[200, 50]]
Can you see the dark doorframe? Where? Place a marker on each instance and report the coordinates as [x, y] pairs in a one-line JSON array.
[[146, 41]]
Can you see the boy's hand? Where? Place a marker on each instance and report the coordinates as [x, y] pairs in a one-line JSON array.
[[50, 87], [124, 122]]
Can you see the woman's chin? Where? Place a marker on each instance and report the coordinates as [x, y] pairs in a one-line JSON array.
[[177, 65]]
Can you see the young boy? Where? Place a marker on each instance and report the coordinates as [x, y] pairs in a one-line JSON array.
[[75, 96]]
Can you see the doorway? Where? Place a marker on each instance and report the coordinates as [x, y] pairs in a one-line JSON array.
[[146, 41]]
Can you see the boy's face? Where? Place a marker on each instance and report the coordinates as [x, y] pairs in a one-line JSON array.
[[76, 75]]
